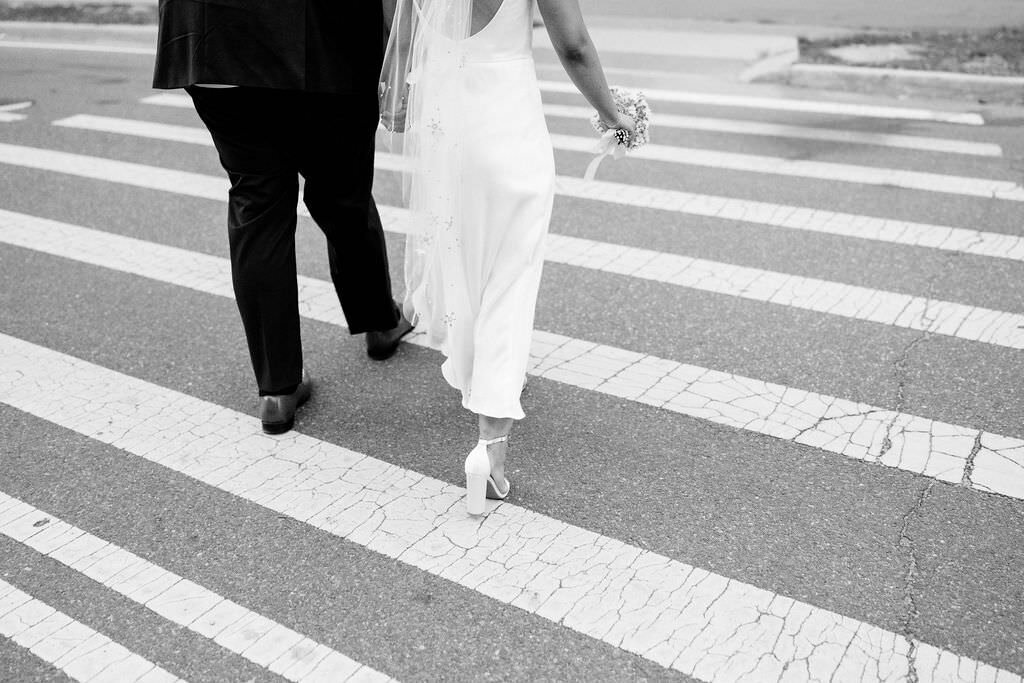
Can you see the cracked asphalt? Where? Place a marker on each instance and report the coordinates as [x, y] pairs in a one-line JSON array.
[[935, 562]]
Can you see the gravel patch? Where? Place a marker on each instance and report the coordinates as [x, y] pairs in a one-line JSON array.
[[996, 52]]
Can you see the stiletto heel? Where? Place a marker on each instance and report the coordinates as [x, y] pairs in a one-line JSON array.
[[480, 485], [476, 493]]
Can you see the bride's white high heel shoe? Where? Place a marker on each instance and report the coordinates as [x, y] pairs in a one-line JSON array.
[[480, 485]]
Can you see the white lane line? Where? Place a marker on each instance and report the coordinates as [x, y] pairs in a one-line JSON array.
[[168, 99], [16, 106], [846, 109], [689, 156], [262, 641], [823, 296], [702, 624], [70, 646], [856, 430], [806, 106], [860, 303], [192, 135], [815, 170], [77, 47], [139, 175], [962, 240], [741, 127], [7, 112], [946, 238]]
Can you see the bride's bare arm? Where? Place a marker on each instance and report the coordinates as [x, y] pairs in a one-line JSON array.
[[576, 51]]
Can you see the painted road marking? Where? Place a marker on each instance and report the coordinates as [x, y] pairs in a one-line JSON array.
[[851, 109], [192, 135], [847, 109], [168, 99], [860, 303], [823, 296], [697, 622], [260, 640], [814, 170], [8, 112], [950, 453], [742, 127], [16, 106], [714, 99], [975, 242], [739, 127], [78, 47], [990, 244], [943, 237], [68, 645]]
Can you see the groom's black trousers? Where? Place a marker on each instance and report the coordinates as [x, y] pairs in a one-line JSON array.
[[266, 139]]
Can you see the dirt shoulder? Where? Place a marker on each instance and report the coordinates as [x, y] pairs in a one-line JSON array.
[[994, 52]]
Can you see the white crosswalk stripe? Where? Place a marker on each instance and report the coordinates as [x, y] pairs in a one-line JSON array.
[[736, 126], [951, 453], [232, 626], [76, 47], [596, 585], [716, 99], [70, 646], [814, 170], [679, 616], [753, 128], [796, 105], [909, 233], [823, 296], [981, 243], [778, 130], [860, 303]]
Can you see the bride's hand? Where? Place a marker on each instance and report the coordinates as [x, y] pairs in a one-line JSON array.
[[626, 123]]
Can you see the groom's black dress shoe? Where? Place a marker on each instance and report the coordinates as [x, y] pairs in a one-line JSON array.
[[382, 345], [277, 412]]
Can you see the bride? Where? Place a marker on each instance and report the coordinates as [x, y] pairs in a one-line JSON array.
[[461, 99]]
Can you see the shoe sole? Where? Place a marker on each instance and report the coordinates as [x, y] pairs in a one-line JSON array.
[[282, 427], [277, 427], [382, 355]]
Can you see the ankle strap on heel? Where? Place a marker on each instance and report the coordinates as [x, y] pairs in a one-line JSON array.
[[499, 439]]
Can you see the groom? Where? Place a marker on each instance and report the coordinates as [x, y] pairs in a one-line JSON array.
[[289, 88]]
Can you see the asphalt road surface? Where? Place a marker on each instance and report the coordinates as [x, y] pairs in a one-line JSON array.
[[952, 15], [774, 425]]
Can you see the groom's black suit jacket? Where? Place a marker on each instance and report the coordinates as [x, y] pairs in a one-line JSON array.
[[328, 46], [308, 105]]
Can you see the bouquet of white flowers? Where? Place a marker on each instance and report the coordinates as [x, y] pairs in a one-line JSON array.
[[616, 142]]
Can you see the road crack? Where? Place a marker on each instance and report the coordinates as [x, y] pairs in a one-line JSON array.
[[906, 543]]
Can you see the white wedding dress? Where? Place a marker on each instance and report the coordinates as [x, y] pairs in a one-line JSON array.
[[481, 195]]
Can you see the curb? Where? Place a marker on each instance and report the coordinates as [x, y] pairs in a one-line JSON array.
[[905, 82]]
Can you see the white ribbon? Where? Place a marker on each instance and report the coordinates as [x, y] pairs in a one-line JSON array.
[[607, 146]]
